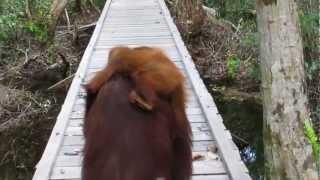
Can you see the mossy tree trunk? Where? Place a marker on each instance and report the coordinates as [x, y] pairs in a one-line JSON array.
[[287, 151], [57, 8], [190, 15]]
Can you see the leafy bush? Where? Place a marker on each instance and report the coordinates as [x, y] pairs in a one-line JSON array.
[[234, 10], [312, 69], [313, 139], [10, 18], [38, 29], [100, 3], [233, 65], [249, 39], [309, 22], [14, 21]]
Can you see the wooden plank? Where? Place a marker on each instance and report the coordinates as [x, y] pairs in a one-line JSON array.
[[140, 34], [135, 23], [189, 111], [196, 177], [74, 160], [199, 168], [132, 5], [132, 26], [134, 18], [77, 125], [109, 46], [137, 41], [196, 125], [76, 128], [167, 49], [135, 6], [77, 148], [46, 163], [129, 14], [231, 157], [106, 38], [192, 119], [76, 133], [198, 145], [150, 28], [135, 9], [74, 136], [146, 25], [122, 36]]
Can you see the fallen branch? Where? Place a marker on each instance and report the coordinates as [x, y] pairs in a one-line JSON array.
[[63, 82], [68, 19], [87, 26], [240, 138], [80, 28], [212, 13]]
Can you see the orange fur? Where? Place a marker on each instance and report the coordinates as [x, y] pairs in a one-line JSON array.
[[153, 73]]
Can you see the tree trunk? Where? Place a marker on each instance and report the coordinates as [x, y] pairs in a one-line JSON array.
[[190, 15], [287, 151], [56, 10]]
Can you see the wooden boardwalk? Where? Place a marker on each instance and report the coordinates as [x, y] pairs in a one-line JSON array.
[[135, 23]]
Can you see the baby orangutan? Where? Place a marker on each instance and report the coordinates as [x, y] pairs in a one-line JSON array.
[[153, 73]]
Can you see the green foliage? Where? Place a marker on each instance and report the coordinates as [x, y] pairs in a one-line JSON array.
[[250, 39], [100, 3], [309, 23], [254, 72], [234, 10], [312, 68], [10, 18], [233, 66], [313, 139], [13, 19], [8, 25], [38, 30]]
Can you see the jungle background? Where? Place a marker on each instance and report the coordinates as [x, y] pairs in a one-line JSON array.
[[224, 48]]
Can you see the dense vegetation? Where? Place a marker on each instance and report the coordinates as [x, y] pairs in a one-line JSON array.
[[29, 65], [242, 15]]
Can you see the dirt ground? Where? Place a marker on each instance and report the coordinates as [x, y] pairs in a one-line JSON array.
[[28, 109]]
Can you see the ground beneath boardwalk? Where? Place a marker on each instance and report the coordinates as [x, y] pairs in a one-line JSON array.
[[30, 99]]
